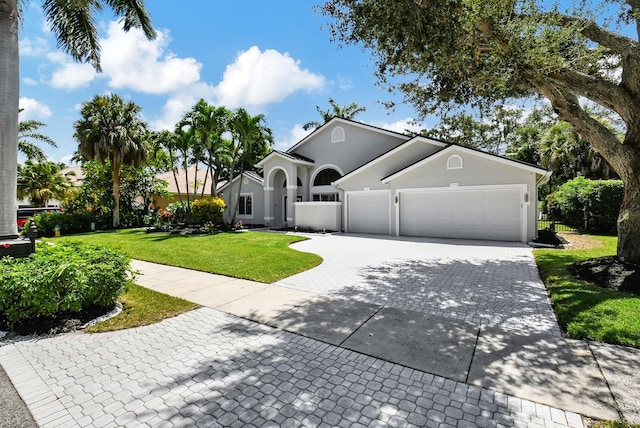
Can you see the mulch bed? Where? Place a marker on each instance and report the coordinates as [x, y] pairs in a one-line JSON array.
[[61, 323], [609, 272]]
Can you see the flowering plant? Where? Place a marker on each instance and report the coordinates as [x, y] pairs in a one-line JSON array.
[[209, 227]]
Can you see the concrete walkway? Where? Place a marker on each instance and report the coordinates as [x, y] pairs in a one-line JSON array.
[[326, 357]]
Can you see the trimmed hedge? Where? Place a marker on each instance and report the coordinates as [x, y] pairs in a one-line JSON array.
[[69, 222], [590, 205], [66, 277]]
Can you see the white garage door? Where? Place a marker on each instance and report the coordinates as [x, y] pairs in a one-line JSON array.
[[368, 212], [494, 214]]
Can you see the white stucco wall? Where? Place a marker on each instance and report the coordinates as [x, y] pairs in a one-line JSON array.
[[319, 215]]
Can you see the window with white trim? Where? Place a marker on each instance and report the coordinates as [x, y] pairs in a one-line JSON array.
[[245, 205], [337, 134], [325, 197], [454, 162]]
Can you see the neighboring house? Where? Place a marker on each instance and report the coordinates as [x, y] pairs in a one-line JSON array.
[[203, 183], [358, 178]]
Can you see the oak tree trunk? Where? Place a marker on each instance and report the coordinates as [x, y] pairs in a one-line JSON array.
[[629, 219]]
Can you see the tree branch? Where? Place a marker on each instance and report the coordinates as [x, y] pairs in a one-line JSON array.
[[603, 92], [566, 105], [594, 32]]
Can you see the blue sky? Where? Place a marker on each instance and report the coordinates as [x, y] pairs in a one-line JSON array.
[[272, 58]]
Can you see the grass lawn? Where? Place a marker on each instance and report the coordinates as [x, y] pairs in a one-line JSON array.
[[142, 306], [586, 311], [258, 256]]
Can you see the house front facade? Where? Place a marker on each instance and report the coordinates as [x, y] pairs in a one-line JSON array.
[[352, 177]]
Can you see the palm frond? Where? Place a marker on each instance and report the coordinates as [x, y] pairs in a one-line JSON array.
[[74, 26]]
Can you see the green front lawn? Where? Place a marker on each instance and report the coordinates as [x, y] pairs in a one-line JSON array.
[[586, 311], [258, 256], [142, 306]]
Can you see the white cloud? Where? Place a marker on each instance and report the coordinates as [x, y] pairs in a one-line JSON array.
[[296, 134], [257, 78], [73, 75], [33, 109], [402, 126], [179, 103], [29, 81], [35, 47], [67, 159], [131, 61]]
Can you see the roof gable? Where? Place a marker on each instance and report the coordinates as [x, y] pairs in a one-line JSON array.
[[403, 146], [253, 175], [292, 157], [454, 147], [339, 120]]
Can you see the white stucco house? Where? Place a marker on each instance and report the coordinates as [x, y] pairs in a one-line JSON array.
[[352, 177]]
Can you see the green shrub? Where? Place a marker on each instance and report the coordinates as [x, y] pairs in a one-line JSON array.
[[66, 277], [591, 205], [69, 222], [208, 210], [178, 211]]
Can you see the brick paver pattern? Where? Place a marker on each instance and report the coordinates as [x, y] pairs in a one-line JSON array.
[[489, 283], [210, 369]]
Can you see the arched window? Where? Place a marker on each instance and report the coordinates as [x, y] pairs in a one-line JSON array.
[[326, 177], [337, 134], [454, 162]]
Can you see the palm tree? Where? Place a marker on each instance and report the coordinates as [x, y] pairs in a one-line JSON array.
[[27, 132], [349, 111], [73, 24], [111, 129], [210, 123], [43, 181], [247, 133]]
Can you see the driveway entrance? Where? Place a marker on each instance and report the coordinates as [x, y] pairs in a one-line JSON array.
[[487, 282]]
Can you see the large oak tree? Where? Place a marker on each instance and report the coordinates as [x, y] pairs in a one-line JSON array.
[[448, 53]]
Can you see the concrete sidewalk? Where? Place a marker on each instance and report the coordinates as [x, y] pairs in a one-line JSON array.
[[592, 379]]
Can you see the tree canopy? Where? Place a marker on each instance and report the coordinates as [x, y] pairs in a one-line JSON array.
[[444, 54], [111, 129]]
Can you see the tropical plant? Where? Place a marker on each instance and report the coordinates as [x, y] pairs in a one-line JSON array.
[[568, 155], [249, 135], [27, 135], [74, 26], [43, 181], [210, 123], [443, 54], [137, 185], [111, 129], [347, 111]]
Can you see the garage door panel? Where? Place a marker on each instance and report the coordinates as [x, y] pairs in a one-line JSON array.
[[368, 213], [473, 214]]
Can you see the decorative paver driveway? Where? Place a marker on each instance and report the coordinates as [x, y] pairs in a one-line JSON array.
[[210, 369], [491, 283]]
